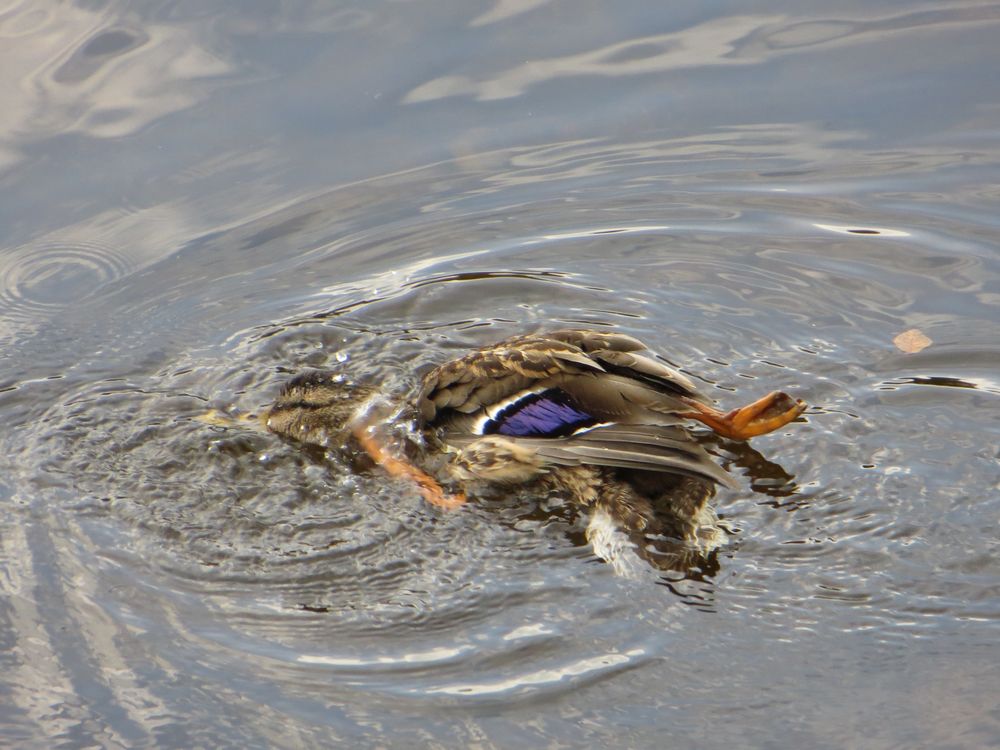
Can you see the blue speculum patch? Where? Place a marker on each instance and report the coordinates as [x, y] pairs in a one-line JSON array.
[[547, 414]]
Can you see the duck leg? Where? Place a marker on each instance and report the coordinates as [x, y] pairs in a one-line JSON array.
[[764, 415], [427, 486]]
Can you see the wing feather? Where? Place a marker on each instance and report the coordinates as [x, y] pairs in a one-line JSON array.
[[605, 373], [628, 447]]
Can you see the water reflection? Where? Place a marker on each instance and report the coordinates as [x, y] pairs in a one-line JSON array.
[[944, 382], [878, 30], [96, 52], [114, 79], [505, 9], [714, 42], [725, 41], [870, 231]]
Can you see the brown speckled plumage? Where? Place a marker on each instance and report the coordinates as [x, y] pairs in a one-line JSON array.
[[630, 457], [603, 369], [636, 398], [317, 408]]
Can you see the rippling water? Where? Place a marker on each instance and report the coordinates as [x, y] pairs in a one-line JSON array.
[[201, 200]]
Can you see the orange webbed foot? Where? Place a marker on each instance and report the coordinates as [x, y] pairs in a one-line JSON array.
[[428, 487], [764, 415]]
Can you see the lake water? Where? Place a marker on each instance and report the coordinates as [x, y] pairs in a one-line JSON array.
[[200, 199]]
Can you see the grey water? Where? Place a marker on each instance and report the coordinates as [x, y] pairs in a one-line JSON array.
[[200, 200]]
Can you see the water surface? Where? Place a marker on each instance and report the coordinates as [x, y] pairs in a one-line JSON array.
[[201, 200]]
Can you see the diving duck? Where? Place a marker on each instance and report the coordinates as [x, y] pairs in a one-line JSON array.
[[589, 415]]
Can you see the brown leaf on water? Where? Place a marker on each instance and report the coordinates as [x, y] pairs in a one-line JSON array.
[[912, 341]]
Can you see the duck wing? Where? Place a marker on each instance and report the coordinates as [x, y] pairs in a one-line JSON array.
[[602, 375]]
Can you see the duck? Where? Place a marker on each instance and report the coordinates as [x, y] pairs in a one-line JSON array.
[[588, 415]]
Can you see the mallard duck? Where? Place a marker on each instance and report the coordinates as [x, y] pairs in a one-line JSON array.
[[587, 414]]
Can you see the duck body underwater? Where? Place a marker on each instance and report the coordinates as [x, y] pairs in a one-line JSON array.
[[588, 415]]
